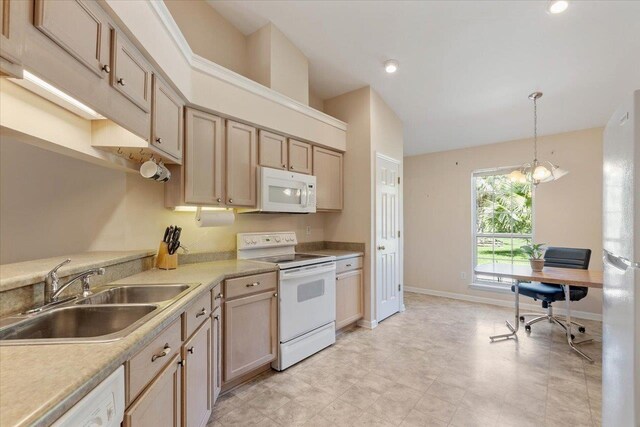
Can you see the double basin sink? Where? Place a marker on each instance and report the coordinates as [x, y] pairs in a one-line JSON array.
[[109, 314]]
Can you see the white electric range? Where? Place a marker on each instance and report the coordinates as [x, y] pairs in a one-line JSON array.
[[306, 294]]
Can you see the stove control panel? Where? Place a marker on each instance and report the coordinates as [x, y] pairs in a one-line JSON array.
[[266, 240]]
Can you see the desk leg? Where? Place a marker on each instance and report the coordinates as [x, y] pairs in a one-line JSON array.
[[514, 329], [567, 298]]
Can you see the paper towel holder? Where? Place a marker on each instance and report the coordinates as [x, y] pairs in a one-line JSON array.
[[199, 211]]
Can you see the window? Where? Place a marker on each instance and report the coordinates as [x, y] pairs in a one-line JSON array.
[[502, 221]]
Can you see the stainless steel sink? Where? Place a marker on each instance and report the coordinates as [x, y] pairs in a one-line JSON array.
[[111, 313], [80, 323], [135, 294]]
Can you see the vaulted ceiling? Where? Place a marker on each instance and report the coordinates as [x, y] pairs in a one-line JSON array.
[[466, 67]]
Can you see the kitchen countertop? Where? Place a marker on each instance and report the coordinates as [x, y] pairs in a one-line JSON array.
[[339, 254], [39, 383], [25, 273]]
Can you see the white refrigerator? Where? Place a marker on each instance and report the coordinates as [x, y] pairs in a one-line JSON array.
[[621, 243]]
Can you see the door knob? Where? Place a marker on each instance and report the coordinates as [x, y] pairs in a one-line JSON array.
[[381, 248]]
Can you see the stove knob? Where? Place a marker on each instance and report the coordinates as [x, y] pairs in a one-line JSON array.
[[254, 241], [277, 239], [247, 240]]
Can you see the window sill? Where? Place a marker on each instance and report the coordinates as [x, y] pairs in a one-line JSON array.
[[491, 288]]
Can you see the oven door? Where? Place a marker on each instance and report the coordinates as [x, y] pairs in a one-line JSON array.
[[307, 299], [283, 191]]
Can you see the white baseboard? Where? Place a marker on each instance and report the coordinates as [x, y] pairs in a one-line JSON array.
[[502, 303], [367, 324]]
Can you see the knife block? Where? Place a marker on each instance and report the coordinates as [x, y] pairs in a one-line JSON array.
[[164, 260]]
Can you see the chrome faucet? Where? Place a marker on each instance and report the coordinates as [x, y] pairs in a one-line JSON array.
[[52, 288]]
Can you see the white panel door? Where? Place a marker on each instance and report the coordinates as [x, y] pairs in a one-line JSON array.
[[386, 245]]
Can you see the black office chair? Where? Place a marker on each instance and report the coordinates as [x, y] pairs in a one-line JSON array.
[[549, 293]]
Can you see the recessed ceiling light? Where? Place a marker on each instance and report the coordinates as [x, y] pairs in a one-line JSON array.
[[391, 66], [557, 6]]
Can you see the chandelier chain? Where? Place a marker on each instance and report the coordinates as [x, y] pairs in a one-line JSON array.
[[535, 130]]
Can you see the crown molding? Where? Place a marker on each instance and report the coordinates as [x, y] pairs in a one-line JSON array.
[[219, 72]]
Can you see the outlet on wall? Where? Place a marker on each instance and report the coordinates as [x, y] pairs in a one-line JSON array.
[[463, 275], [308, 231]]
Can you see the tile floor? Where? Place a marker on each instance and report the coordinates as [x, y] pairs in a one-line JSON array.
[[432, 365]]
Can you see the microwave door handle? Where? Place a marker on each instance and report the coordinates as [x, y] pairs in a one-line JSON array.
[[306, 205]]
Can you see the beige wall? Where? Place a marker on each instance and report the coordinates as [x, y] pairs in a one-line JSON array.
[[275, 62], [209, 34], [373, 127], [568, 212], [315, 101], [51, 205]]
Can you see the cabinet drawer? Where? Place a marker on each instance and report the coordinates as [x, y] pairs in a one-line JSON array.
[[130, 73], [196, 314], [145, 365], [250, 284], [348, 264], [217, 295]]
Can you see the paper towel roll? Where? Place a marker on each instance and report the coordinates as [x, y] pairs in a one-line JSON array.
[[215, 218]]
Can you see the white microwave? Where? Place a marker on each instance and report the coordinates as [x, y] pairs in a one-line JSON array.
[[284, 191]]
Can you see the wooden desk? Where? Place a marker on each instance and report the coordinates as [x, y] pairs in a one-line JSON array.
[[560, 276]]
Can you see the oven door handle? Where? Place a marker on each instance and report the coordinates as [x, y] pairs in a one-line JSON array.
[[295, 274]]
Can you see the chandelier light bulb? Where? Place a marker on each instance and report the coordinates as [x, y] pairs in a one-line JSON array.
[[540, 173]]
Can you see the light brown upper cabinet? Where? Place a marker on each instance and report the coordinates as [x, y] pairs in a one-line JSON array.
[[12, 22], [77, 26], [300, 155], [242, 161], [166, 120], [130, 72], [272, 150], [328, 169], [203, 160], [197, 376]]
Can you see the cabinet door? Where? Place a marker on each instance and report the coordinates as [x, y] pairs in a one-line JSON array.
[[197, 377], [203, 159], [78, 27], [161, 403], [300, 156], [250, 335], [241, 164], [327, 167], [216, 353], [12, 21], [130, 73], [349, 298], [166, 120], [272, 150]]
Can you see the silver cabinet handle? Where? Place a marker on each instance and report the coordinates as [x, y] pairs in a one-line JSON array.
[[201, 312], [381, 248], [275, 295], [190, 349], [284, 166], [230, 200], [219, 296], [163, 353], [291, 167], [159, 140], [219, 200], [348, 265], [250, 285], [216, 317], [121, 82], [106, 68]]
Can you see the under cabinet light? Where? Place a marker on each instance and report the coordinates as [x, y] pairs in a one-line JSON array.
[[194, 208], [46, 90]]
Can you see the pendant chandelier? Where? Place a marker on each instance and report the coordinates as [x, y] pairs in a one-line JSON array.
[[537, 171]]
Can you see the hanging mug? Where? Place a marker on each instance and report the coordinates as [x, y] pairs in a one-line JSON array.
[[155, 171]]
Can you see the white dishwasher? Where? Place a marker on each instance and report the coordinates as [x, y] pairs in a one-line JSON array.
[[102, 407]]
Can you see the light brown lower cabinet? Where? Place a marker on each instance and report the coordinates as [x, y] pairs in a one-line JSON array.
[[197, 377], [349, 298], [250, 333], [161, 403], [216, 352]]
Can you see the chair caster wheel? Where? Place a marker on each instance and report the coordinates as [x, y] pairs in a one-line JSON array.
[[522, 318], [581, 330], [527, 328]]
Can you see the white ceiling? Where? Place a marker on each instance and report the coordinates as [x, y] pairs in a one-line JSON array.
[[466, 68]]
